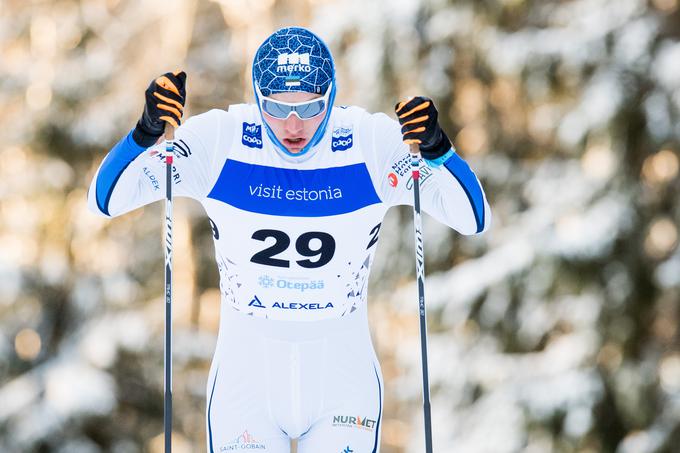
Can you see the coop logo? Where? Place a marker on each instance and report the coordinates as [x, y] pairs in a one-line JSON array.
[[244, 442], [302, 285], [342, 139], [252, 135], [293, 62], [350, 421]]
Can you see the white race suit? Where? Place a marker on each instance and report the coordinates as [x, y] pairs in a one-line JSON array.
[[294, 237]]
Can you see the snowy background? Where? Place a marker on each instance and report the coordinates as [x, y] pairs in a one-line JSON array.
[[556, 331]]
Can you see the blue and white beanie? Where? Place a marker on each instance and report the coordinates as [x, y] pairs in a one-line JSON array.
[[290, 60]]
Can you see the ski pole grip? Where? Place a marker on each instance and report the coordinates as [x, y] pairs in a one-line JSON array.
[[169, 132]]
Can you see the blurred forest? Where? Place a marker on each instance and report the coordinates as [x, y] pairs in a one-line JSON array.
[[556, 331]]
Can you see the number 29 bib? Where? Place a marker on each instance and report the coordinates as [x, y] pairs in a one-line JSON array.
[[294, 241]]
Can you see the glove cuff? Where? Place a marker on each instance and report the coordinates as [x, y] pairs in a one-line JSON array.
[[143, 137], [441, 147]]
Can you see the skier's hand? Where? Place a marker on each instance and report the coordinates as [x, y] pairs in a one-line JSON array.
[[418, 119], [165, 99]]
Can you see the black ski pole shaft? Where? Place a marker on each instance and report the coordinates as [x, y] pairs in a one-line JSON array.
[[420, 273], [167, 362]]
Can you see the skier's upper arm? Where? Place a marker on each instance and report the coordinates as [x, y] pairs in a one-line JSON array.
[[449, 190], [131, 176]]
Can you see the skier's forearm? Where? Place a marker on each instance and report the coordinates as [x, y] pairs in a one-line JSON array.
[[453, 194], [456, 198], [115, 163]]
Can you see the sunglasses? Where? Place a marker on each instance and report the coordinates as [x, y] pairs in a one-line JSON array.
[[304, 110]]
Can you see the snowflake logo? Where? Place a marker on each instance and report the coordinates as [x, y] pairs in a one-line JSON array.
[[265, 281]]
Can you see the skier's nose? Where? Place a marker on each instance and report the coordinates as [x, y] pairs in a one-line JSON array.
[[293, 124]]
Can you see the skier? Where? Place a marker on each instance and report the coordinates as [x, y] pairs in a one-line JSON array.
[[295, 190]]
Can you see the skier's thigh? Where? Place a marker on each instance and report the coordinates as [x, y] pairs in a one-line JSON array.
[[237, 420], [237, 410], [351, 420], [352, 405]]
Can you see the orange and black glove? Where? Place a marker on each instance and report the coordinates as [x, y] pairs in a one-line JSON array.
[[164, 103], [419, 125]]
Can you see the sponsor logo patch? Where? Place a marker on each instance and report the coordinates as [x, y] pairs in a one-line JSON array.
[[342, 139], [402, 165], [293, 62], [244, 441], [256, 303], [350, 421], [252, 135], [277, 192], [152, 178], [265, 281], [301, 306], [393, 179], [300, 285], [425, 174], [182, 149]]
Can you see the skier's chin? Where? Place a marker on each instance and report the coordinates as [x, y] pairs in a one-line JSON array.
[[295, 145]]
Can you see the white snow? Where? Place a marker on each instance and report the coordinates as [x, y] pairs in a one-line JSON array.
[[667, 64], [74, 388]]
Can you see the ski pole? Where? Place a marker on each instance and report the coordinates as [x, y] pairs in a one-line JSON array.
[[167, 362], [420, 273]]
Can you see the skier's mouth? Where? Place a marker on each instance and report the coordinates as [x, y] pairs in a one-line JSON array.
[[294, 143]]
